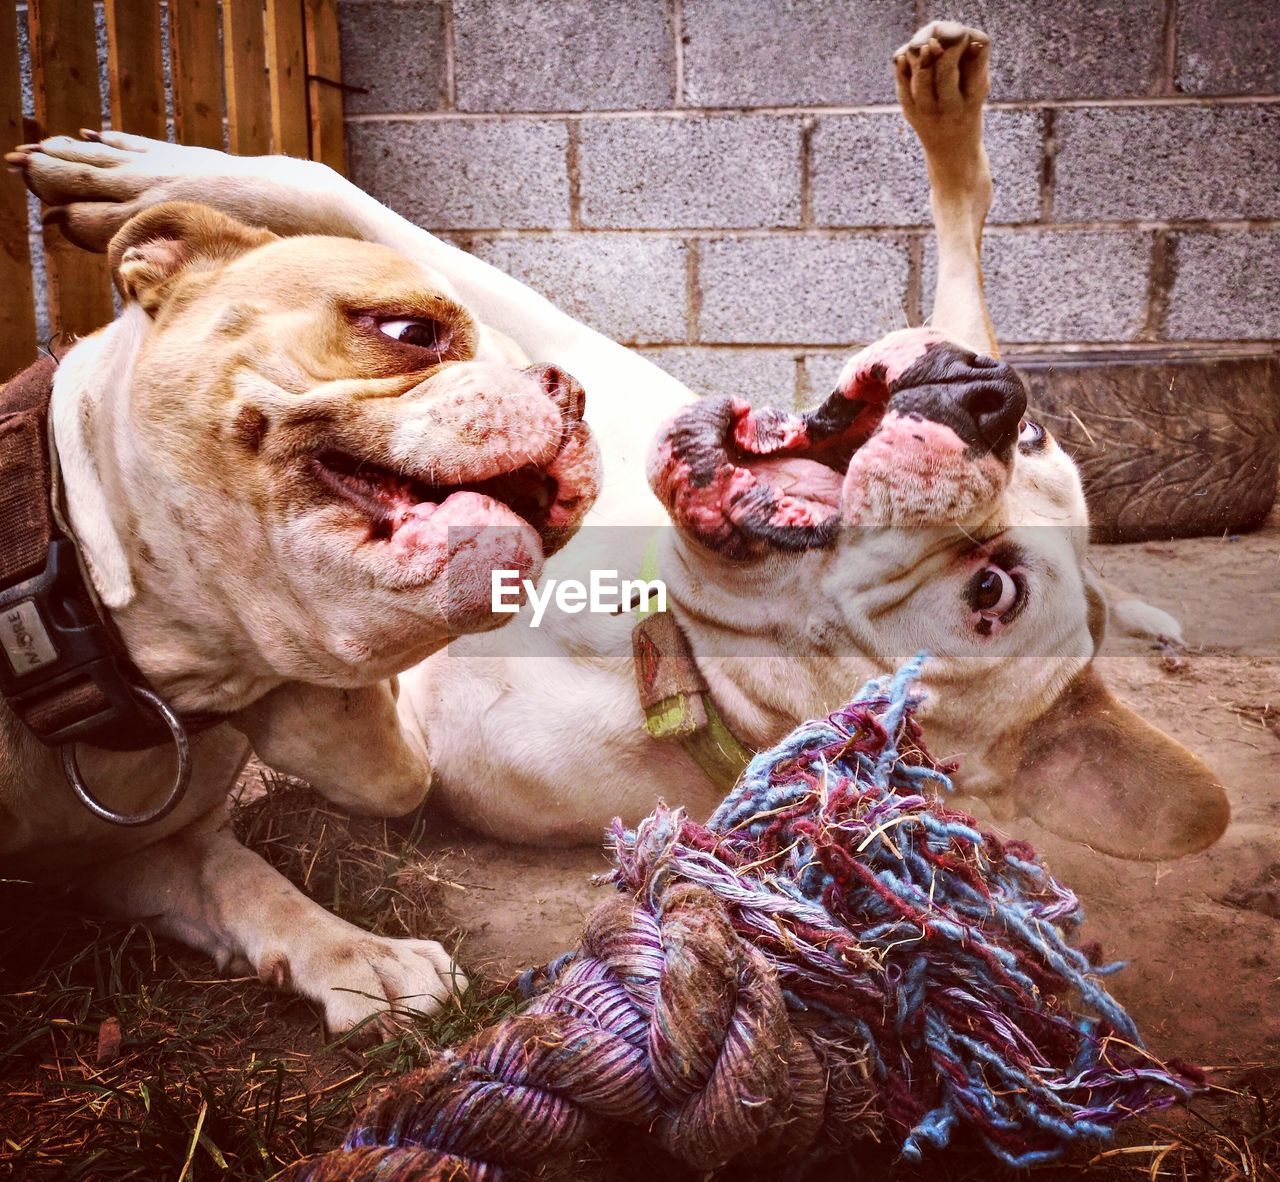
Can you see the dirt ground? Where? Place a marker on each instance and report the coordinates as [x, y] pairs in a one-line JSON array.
[[1204, 977]]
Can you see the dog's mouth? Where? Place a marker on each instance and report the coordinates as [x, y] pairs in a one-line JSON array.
[[737, 477], [805, 457], [745, 480], [389, 499]]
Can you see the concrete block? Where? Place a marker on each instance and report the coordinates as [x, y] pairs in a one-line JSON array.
[[1228, 48], [1061, 285], [396, 52], [1167, 163], [460, 174], [631, 287], [1070, 48], [868, 170], [1226, 286], [563, 55], [764, 377], [792, 52], [731, 171], [22, 18], [801, 288]]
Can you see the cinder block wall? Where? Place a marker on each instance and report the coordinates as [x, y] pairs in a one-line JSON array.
[[727, 184]]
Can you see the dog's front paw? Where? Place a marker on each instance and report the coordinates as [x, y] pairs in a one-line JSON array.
[[362, 977]]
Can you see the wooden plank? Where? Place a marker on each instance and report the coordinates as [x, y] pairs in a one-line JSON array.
[[324, 84], [64, 70], [135, 69], [286, 65], [244, 48], [196, 67], [17, 294]]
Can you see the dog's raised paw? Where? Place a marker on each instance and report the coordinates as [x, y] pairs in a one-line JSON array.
[[942, 75], [92, 185], [1134, 617]]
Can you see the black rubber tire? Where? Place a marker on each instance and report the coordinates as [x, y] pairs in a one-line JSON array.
[[1170, 445]]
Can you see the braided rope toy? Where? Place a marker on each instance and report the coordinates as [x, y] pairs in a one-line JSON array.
[[835, 956]]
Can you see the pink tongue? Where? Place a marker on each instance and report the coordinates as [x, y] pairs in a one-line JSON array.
[[469, 518], [796, 477], [406, 513]]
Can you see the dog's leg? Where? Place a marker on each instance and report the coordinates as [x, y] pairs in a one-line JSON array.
[[347, 744], [92, 186], [201, 886], [942, 83], [1136, 617]]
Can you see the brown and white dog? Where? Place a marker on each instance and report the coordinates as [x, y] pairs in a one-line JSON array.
[[290, 465], [916, 509]]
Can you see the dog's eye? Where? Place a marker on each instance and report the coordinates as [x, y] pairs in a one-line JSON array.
[[992, 592], [1030, 434], [422, 334]]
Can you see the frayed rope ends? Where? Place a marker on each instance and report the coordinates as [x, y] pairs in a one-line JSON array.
[[835, 956]]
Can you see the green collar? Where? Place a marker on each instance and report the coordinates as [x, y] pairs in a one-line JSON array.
[[675, 696]]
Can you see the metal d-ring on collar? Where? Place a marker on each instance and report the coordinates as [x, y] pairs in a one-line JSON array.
[[71, 769]]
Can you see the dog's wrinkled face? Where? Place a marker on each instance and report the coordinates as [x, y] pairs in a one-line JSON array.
[[918, 508], [334, 431]]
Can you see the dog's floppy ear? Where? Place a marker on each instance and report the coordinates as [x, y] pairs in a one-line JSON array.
[[153, 248], [1099, 612], [1094, 772]]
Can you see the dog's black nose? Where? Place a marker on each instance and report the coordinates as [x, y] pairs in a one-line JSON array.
[[563, 389], [994, 401], [981, 399]]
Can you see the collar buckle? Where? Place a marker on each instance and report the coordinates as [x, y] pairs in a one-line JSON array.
[[61, 670]]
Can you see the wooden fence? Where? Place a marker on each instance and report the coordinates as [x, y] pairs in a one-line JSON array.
[[253, 76]]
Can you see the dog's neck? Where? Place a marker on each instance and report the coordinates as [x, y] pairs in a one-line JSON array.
[[746, 642], [187, 651]]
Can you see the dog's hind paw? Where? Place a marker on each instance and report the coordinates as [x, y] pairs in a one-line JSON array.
[[942, 76]]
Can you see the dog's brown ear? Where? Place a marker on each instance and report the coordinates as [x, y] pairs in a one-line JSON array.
[[150, 250], [1094, 772], [1095, 596]]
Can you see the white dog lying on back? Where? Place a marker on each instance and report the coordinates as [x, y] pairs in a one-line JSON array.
[[916, 509]]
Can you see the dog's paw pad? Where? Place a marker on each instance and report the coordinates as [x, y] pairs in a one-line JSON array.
[[274, 970]]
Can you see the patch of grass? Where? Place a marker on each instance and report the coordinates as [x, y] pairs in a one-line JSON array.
[[213, 1078], [367, 870]]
